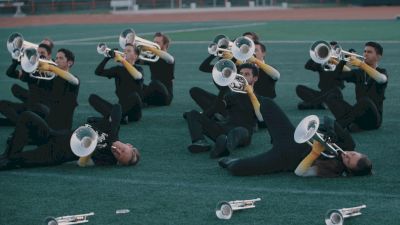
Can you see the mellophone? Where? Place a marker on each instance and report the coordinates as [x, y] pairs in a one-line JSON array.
[[26, 53], [67, 220], [337, 216], [329, 56], [224, 210]]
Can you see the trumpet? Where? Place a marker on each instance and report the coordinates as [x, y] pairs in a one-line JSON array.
[[16, 44], [83, 142], [307, 130], [224, 73], [67, 220], [31, 63], [149, 51], [323, 53], [224, 210], [102, 49], [337, 216], [242, 48]]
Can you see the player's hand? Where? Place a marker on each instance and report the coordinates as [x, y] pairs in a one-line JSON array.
[[118, 58], [227, 55], [318, 147], [249, 89], [354, 61], [252, 59]]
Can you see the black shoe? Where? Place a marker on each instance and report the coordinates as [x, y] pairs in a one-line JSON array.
[[220, 149], [93, 119], [225, 162], [199, 146]]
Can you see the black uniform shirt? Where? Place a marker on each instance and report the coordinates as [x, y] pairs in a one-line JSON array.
[[327, 79], [366, 86], [265, 85], [240, 111], [162, 71], [125, 84]]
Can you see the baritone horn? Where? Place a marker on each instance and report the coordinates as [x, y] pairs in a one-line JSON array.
[[224, 210], [67, 220], [307, 130], [224, 73], [337, 216], [83, 142], [16, 44], [149, 51], [31, 63]]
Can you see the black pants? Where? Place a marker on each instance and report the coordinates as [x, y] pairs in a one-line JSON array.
[[156, 93], [131, 107], [285, 155], [53, 150], [311, 96], [20, 92], [200, 125], [12, 111], [205, 99], [364, 113]]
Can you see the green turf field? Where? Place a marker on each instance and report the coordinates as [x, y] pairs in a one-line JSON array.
[[171, 185]]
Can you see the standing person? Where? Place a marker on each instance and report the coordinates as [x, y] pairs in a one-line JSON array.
[[54, 147], [370, 85], [128, 85], [228, 134], [286, 155], [159, 91]]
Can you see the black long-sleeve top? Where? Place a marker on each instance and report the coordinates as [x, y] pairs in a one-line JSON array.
[[63, 99], [206, 65], [240, 112], [365, 86], [37, 88], [327, 79], [265, 85], [124, 82], [162, 71]]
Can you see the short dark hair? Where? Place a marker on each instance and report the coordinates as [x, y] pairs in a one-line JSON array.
[[378, 48], [263, 48], [68, 54], [51, 43], [136, 49], [253, 34], [165, 38], [363, 167], [253, 68], [48, 49]]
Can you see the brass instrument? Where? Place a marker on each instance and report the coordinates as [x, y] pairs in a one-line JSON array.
[[337, 216], [242, 48], [149, 51], [31, 63], [83, 142], [307, 130], [329, 56], [16, 45], [67, 220], [224, 210], [102, 49]]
